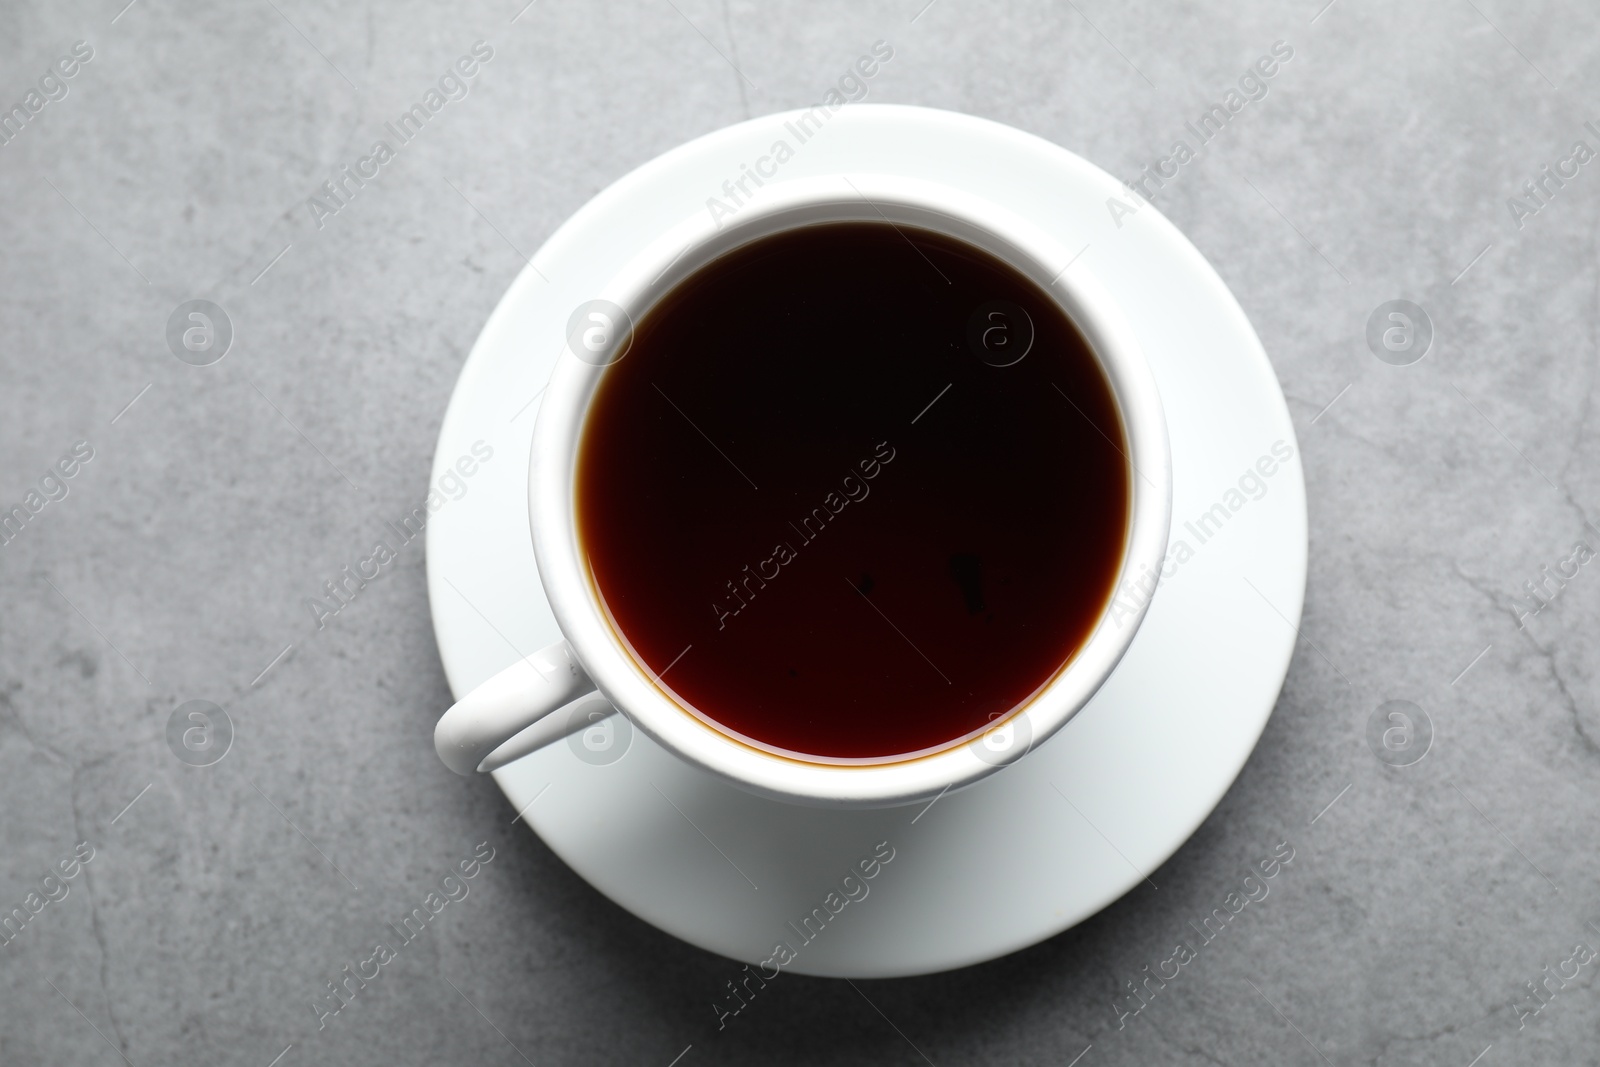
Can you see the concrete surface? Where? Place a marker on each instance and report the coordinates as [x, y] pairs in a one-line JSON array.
[[177, 166]]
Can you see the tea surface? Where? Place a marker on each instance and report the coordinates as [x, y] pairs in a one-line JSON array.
[[830, 508]]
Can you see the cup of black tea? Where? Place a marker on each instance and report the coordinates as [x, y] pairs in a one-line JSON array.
[[851, 498]]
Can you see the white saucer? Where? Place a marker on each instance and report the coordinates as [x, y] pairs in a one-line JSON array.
[[1023, 854]]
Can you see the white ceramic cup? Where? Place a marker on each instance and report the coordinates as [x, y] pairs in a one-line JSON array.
[[563, 688]]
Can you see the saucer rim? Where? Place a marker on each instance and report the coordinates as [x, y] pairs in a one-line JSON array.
[[1243, 345]]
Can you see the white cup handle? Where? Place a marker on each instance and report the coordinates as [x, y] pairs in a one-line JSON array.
[[509, 716]]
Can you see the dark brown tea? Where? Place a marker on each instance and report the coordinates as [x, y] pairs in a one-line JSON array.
[[855, 492]]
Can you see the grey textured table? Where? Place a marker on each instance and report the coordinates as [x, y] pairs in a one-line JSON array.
[[1387, 159]]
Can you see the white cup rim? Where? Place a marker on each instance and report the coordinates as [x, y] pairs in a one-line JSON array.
[[688, 246]]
